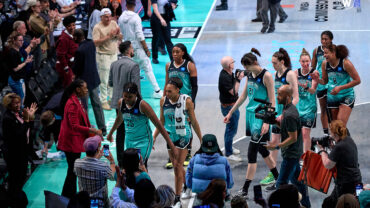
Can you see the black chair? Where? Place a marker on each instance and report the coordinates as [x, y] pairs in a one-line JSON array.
[[36, 91]]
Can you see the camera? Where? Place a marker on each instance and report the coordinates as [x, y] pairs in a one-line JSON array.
[[265, 111], [238, 71], [324, 141]]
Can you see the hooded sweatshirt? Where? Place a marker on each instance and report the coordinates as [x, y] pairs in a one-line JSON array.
[[203, 168], [130, 24]]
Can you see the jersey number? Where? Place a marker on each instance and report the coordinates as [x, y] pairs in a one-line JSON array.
[[250, 91], [335, 80], [129, 123]]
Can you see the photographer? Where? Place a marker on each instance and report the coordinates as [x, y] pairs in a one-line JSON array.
[[228, 86], [291, 144], [344, 157]]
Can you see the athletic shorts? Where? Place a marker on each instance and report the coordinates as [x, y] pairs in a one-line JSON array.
[[181, 142], [253, 129], [275, 129], [308, 121], [321, 94], [335, 102]]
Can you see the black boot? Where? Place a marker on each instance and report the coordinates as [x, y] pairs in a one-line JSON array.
[[222, 6]]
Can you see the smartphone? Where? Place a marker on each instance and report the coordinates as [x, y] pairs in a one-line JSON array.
[[106, 150], [139, 153], [359, 189], [257, 192]]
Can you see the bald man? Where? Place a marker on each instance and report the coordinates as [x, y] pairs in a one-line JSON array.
[[291, 144], [228, 86]]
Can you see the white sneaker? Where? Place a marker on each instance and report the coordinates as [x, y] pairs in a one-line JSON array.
[[158, 95], [234, 158], [186, 194], [236, 151], [177, 205]]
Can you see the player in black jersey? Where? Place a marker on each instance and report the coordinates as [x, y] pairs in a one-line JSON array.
[[317, 59]]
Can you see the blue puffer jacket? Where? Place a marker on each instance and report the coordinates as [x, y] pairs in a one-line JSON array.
[[203, 168]]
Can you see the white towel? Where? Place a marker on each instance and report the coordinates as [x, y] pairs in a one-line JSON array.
[[180, 115]]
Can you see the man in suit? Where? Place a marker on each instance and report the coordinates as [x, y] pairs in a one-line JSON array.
[[122, 71], [85, 68]]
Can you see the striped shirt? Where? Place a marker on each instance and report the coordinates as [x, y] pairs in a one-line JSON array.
[[92, 176]]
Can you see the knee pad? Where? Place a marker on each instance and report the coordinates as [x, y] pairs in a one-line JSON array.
[[252, 152]]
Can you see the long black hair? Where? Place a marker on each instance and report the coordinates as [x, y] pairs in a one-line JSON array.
[[130, 163], [118, 11], [282, 54], [132, 88], [186, 55], [214, 193], [69, 91]]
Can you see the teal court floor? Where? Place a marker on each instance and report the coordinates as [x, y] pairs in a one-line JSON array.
[[231, 33], [50, 176]]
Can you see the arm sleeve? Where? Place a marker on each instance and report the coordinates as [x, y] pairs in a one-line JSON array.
[[78, 65], [139, 30], [194, 87], [335, 154], [73, 119], [129, 194], [135, 76]]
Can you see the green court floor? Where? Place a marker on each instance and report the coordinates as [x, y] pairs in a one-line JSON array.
[[50, 176]]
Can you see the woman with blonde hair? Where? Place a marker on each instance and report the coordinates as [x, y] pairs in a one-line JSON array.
[[344, 157]]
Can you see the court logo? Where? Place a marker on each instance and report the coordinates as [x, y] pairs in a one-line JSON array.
[[321, 13]]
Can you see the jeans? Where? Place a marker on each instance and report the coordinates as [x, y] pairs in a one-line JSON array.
[[18, 88], [97, 108], [289, 171], [120, 142], [160, 32], [70, 183], [231, 129]]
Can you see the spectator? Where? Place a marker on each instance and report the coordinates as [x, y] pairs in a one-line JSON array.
[[95, 16], [291, 144], [214, 195], [238, 202], [62, 11], [17, 65], [161, 28], [93, 173], [105, 35], [80, 200], [74, 130], [65, 50], [131, 28], [29, 45], [347, 201], [15, 127], [116, 9], [165, 197], [134, 167], [85, 68], [206, 165], [39, 26], [364, 199], [344, 157], [122, 71], [115, 200], [287, 196]]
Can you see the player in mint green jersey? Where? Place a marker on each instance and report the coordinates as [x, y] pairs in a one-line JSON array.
[[259, 84], [306, 106], [341, 76], [136, 113], [322, 90]]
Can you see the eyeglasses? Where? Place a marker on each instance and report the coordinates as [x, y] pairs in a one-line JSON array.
[[20, 40]]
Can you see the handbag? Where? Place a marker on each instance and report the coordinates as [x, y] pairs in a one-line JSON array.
[[314, 174]]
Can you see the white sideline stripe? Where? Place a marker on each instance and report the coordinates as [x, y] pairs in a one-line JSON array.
[[208, 85], [203, 26], [190, 205], [187, 23], [236, 141], [278, 31]]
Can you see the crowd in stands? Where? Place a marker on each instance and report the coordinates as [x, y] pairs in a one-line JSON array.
[[102, 61]]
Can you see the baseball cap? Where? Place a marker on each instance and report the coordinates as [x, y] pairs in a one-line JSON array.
[[91, 144], [30, 3], [105, 11], [209, 143]]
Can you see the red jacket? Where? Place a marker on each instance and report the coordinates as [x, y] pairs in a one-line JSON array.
[[75, 127], [65, 49]]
